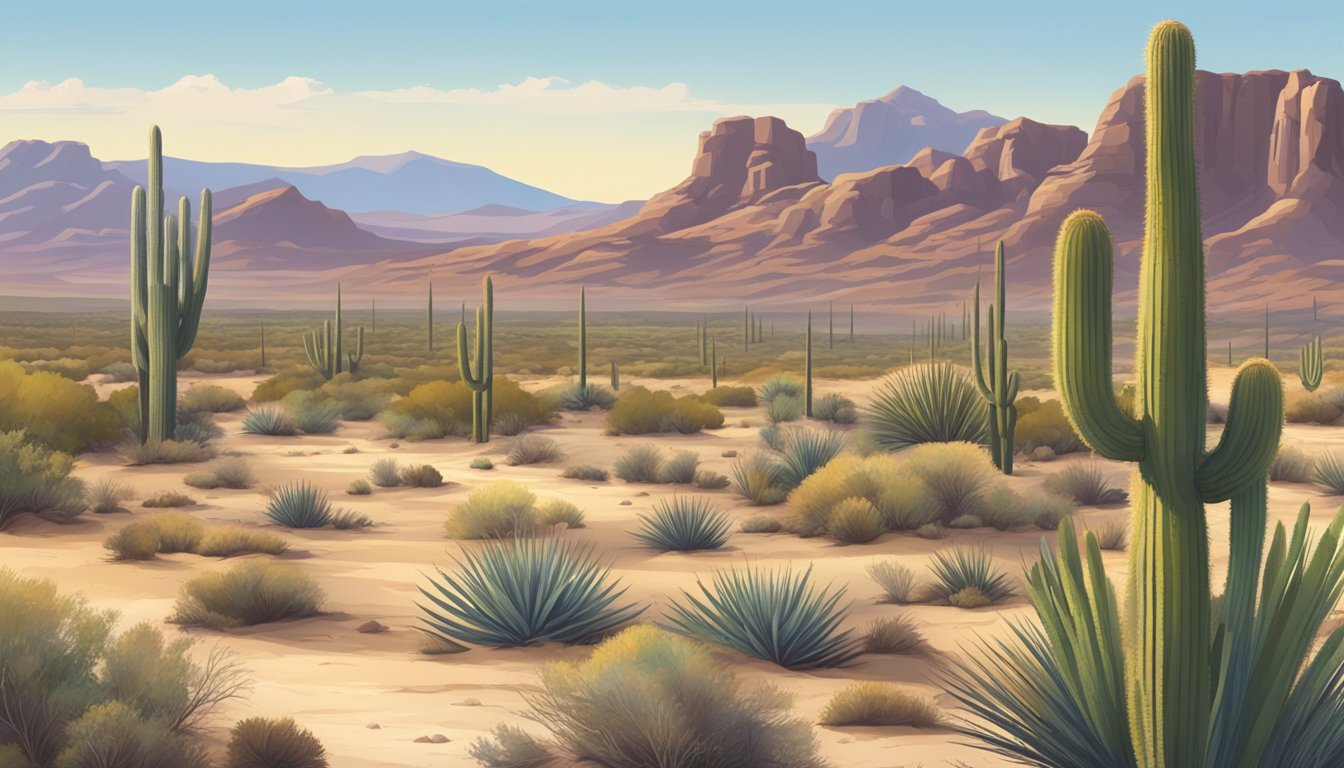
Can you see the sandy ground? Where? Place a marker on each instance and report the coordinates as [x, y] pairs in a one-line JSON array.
[[341, 683]]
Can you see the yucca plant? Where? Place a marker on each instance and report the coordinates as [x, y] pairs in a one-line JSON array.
[[774, 615], [761, 479], [683, 524], [1330, 471], [807, 450], [525, 590], [298, 505], [1086, 484], [269, 420], [966, 577], [932, 403]]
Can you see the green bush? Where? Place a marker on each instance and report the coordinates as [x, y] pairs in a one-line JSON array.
[[639, 411], [585, 472], [209, 398], [312, 414], [168, 500], [55, 412], [967, 578], [725, 396], [855, 521], [232, 473], [783, 385], [482, 462], [36, 480], [557, 511], [421, 476], [359, 488], [260, 742], [1044, 424], [137, 541], [641, 464], [958, 476], [165, 452], [930, 403], [281, 384], [707, 480], [761, 524], [1086, 484], [231, 540], [680, 469], [837, 409], [524, 590], [445, 407], [533, 449], [683, 525], [900, 499], [249, 593], [298, 504], [759, 478], [873, 703], [784, 407], [893, 634], [270, 420], [496, 511], [385, 473], [686, 697], [178, 531]]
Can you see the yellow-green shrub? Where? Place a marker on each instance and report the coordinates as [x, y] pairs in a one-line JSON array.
[[1044, 423], [495, 511], [900, 499], [447, 406], [640, 411], [54, 411]]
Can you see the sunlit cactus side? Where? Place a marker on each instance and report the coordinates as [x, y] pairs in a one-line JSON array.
[[1168, 682], [615, 376], [998, 388], [583, 340], [807, 369], [1311, 364], [167, 293], [482, 380]]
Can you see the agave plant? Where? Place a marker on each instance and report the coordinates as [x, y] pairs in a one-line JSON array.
[[298, 505], [683, 525], [774, 615], [933, 403], [807, 450], [269, 420], [524, 590], [967, 578]]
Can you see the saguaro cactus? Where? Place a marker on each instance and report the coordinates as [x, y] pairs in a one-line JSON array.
[[997, 386], [482, 380], [429, 318], [1311, 364], [263, 348], [167, 293], [1167, 667], [807, 369], [615, 376], [583, 340], [325, 346], [714, 363]]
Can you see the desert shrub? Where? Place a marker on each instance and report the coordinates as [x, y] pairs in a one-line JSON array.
[[178, 532], [346, 520], [893, 634], [1113, 535], [896, 580], [312, 414], [357, 399], [773, 437], [411, 428], [707, 480], [136, 541], [761, 524], [680, 469], [251, 592], [1043, 424], [56, 412], [165, 452], [774, 615], [269, 420], [834, 408], [578, 398], [899, 497], [168, 500], [1042, 453], [260, 742], [495, 511], [533, 449], [359, 487], [209, 398], [119, 372], [281, 384], [759, 478], [686, 697], [1292, 465], [639, 411], [784, 408], [585, 472], [804, 451], [445, 407], [725, 396], [873, 703], [113, 733], [855, 521], [779, 386], [298, 504], [232, 473], [107, 496], [683, 524], [421, 476], [556, 511], [230, 540], [1086, 484], [932, 403], [482, 462], [958, 476], [967, 578], [524, 590], [1330, 471], [1310, 408], [197, 428], [641, 464], [385, 473], [508, 425]]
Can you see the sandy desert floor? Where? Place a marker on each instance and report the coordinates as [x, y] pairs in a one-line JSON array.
[[369, 696]]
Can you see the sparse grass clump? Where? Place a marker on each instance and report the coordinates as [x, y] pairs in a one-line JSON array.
[[520, 591], [260, 742], [640, 411], [855, 521], [879, 704], [578, 398], [1292, 465], [168, 500], [249, 593], [385, 473], [1086, 484], [686, 697], [779, 616], [683, 524], [496, 511], [533, 449], [136, 541], [707, 480], [165, 452], [896, 580], [725, 396], [298, 505], [1113, 535], [893, 635], [482, 462], [761, 524], [107, 496], [421, 476], [680, 469], [967, 578], [585, 472], [232, 473], [347, 520], [836, 409], [760, 479], [1330, 472], [784, 408], [231, 540], [641, 464], [178, 531], [269, 420], [557, 511], [931, 403], [313, 415], [210, 398], [359, 487]]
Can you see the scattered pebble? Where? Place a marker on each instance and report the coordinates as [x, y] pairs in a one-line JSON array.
[[642, 493], [437, 738], [729, 454], [373, 727], [472, 702], [370, 628], [625, 503]]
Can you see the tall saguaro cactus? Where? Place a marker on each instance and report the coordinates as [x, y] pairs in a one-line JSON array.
[[429, 318], [807, 369], [583, 340], [1167, 648], [325, 347], [482, 380], [1311, 364], [167, 293], [998, 388]]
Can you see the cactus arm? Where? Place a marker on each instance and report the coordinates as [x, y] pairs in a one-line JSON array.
[[353, 358], [1082, 339], [1251, 438], [195, 271], [139, 286], [977, 369], [1311, 364]]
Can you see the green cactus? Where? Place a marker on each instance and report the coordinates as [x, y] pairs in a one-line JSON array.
[[714, 363], [746, 329], [851, 323], [830, 328], [167, 293], [373, 315], [583, 340], [429, 318], [482, 381], [807, 369], [325, 346], [615, 377], [263, 349], [997, 386], [1311, 364], [1167, 671]]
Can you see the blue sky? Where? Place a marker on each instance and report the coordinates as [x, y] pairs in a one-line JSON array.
[[1053, 61]]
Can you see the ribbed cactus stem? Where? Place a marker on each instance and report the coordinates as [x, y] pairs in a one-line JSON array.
[[325, 347], [997, 387], [746, 329], [807, 369], [714, 363], [481, 381], [429, 318], [615, 376], [583, 339], [1311, 364], [168, 286]]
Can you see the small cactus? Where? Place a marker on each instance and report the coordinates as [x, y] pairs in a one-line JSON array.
[[1311, 364], [998, 388], [482, 380]]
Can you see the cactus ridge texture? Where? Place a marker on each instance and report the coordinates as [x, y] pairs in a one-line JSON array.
[[1169, 684], [1311, 364], [997, 387], [482, 380], [325, 346], [168, 286]]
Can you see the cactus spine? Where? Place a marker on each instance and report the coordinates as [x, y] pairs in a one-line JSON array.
[[482, 380], [1311, 364], [167, 293], [1167, 667], [583, 340], [807, 369], [998, 388]]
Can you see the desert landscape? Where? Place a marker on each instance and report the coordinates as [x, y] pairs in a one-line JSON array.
[[932, 438]]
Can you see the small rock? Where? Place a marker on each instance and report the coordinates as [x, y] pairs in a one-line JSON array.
[[394, 445], [642, 493], [437, 738], [625, 503], [472, 702], [729, 454], [370, 628], [373, 726]]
